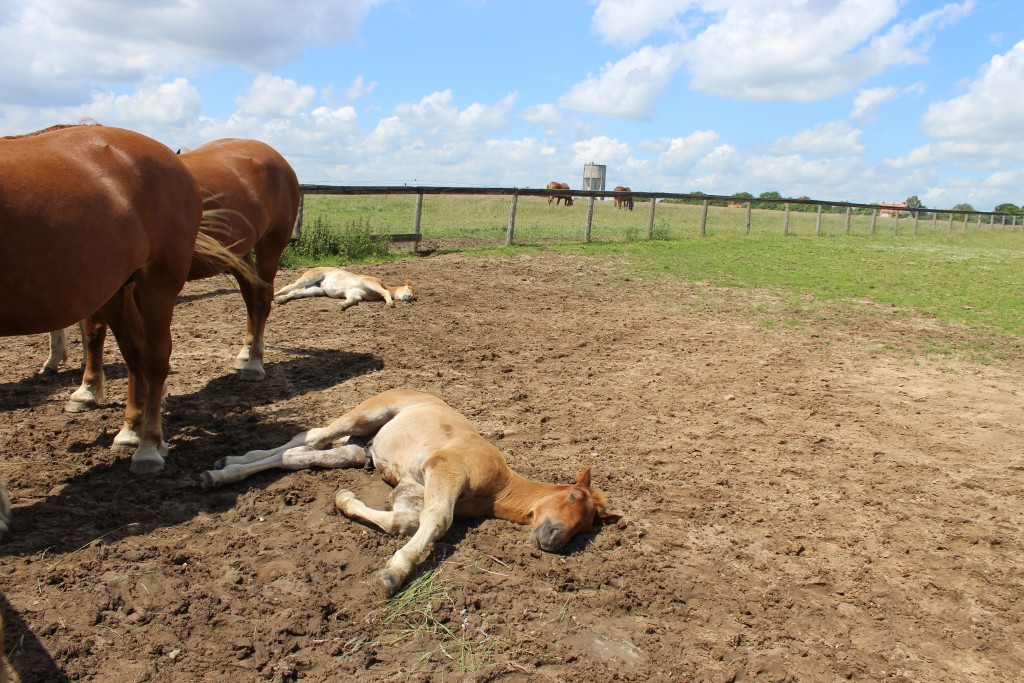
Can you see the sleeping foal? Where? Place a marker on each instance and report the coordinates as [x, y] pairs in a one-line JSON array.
[[440, 468]]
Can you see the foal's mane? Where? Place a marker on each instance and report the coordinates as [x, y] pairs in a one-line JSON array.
[[58, 126]]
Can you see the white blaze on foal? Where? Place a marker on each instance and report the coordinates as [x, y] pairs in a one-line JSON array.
[[351, 288], [440, 468]]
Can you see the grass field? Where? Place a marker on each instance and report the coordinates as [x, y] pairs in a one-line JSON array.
[[973, 276]]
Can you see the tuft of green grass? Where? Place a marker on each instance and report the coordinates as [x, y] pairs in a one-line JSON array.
[[424, 609], [322, 244]]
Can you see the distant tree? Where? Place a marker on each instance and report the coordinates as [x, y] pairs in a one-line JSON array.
[[696, 197], [963, 208], [914, 203], [769, 205], [743, 195], [1007, 208]]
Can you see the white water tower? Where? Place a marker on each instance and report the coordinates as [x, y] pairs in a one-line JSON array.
[[594, 176]]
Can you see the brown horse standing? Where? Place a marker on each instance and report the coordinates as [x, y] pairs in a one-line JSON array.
[[623, 201], [555, 185], [255, 193], [98, 219]]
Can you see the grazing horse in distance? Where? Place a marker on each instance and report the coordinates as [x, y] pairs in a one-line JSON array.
[[441, 468], [101, 220], [255, 194], [555, 185], [623, 201]]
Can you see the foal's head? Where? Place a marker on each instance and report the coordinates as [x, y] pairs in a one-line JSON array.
[[568, 511], [403, 292]]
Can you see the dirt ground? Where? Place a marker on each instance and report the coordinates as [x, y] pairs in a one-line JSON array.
[[809, 494]]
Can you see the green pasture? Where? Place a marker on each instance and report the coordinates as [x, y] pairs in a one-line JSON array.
[[972, 275]]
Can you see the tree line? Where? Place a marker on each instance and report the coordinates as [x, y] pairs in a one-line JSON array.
[[913, 203]]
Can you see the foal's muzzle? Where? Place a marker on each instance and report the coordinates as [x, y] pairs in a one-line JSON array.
[[549, 536]]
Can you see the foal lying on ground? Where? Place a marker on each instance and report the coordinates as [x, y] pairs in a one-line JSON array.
[[341, 284], [441, 468]]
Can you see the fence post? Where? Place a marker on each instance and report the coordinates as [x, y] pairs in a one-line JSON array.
[[511, 218], [650, 219], [817, 223], [916, 216], [950, 227], [418, 215], [590, 220], [935, 219], [849, 210], [704, 219], [896, 225], [748, 217], [874, 220], [965, 222]]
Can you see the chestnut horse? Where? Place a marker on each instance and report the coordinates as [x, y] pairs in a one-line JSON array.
[[441, 468], [623, 201], [554, 185], [103, 220], [256, 194]]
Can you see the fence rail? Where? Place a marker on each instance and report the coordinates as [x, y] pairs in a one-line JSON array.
[[652, 198]]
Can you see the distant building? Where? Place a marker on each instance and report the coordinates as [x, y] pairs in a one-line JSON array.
[[892, 209]]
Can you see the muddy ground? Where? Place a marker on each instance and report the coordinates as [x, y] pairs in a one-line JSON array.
[[811, 495]]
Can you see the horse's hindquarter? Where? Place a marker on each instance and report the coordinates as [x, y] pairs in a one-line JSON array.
[[81, 202]]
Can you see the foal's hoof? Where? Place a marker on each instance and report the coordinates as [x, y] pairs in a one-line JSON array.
[[386, 583], [341, 498], [48, 371], [252, 374], [147, 461], [75, 406], [206, 482]]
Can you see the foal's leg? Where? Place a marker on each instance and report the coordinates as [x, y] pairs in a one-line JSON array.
[[5, 522], [443, 485], [403, 519], [287, 458], [308, 291]]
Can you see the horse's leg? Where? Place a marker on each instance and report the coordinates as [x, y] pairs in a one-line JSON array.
[[443, 484], [122, 314], [89, 395], [5, 520], [249, 361], [296, 457], [58, 352], [403, 519]]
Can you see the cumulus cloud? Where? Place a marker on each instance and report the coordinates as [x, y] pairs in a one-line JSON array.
[[275, 97], [679, 154], [629, 21], [360, 88], [988, 114], [628, 88], [837, 138], [777, 49], [58, 52]]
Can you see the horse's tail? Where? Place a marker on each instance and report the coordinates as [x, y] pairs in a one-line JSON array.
[[213, 244]]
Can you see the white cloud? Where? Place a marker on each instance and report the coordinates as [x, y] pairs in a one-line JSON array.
[[275, 97], [547, 116], [679, 154], [359, 88], [778, 49], [988, 114], [58, 52], [628, 88], [629, 21], [831, 138], [600, 150]]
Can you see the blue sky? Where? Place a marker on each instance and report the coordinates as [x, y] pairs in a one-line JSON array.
[[855, 100]]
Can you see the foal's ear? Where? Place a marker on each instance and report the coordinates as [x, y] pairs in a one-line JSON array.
[[583, 478], [602, 509]]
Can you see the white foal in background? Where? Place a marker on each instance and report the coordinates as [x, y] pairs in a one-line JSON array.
[[440, 468], [341, 284]]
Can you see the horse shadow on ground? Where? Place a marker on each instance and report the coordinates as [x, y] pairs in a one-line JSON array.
[[35, 389], [107, 501], [24, 650]]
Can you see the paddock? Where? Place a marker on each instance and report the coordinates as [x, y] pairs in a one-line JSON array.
[[809, 493]]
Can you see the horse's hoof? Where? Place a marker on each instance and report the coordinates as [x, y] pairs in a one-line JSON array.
[[73, 406], [48, 371], [386, 583], [206, 482], [252, 374], [147, 464], [220, 464]]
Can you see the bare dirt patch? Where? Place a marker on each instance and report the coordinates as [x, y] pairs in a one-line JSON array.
[[809, 495]]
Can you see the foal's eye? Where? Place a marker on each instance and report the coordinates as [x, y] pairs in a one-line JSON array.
[[573, 496]]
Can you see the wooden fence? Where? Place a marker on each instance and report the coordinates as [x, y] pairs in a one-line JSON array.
[[652, 200]]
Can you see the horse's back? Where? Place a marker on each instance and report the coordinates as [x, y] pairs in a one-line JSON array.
[[82, 208]]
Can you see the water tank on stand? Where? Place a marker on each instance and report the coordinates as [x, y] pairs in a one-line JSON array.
[[594, 176]]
